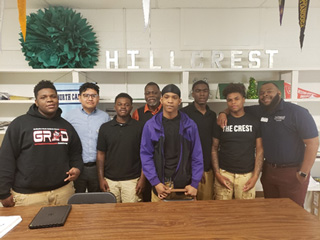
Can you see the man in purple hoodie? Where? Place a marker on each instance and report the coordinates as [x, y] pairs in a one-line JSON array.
[[171, 153]]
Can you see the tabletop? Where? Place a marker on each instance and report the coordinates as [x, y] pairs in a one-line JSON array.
[[233, 219]]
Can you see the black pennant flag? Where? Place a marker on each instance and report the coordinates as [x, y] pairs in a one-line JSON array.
[[303, 13]]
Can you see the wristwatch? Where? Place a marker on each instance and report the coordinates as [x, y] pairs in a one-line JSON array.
[[302, 174]]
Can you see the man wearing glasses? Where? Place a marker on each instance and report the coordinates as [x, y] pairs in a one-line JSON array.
[[87, 120]]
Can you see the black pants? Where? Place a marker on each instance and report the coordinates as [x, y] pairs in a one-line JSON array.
[[146, 196], [88, 179]]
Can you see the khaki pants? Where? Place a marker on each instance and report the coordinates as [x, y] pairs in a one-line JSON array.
[[205, 190], [59, 196], [125, 191], [237, 183]]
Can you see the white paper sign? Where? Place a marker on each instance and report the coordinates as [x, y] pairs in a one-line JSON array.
[[7, 223]]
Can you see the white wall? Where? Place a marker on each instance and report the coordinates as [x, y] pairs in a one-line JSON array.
[[186, 30]]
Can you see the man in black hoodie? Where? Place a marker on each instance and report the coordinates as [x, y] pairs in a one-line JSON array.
[[40, 154]]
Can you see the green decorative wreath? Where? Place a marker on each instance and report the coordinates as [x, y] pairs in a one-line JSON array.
[[59, 37]]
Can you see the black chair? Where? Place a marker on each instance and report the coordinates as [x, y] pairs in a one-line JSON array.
[[92, 197]]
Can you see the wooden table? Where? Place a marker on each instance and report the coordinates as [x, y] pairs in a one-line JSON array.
[[235, 219]]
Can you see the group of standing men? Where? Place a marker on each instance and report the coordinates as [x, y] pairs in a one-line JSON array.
[[160, 152]]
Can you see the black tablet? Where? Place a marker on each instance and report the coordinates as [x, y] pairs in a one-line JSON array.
[[47, 217]]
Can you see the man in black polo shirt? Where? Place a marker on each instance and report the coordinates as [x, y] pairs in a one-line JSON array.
[[118, 157], [290, 142], [206, 120]]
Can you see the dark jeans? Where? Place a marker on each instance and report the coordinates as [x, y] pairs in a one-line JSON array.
[[88, 179], [283, 183]]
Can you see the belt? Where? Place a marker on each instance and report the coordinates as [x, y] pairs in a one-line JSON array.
[[287, 165], [89, 164]]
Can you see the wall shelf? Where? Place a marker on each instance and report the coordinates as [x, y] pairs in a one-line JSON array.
[[20, 82]]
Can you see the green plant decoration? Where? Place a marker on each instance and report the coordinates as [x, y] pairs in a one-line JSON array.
[[59, 37], [252, 92]]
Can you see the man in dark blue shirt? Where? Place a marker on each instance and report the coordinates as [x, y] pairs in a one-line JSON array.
[[290, 142]]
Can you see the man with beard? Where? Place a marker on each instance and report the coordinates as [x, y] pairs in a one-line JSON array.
[[290, 142], [152, 96], [206, 120]]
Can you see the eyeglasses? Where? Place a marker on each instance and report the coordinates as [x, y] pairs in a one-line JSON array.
[[85, 95]]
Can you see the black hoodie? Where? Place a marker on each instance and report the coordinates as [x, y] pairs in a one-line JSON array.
[[37, 152]]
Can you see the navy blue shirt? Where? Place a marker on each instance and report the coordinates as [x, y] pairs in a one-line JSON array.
[[283, 131]]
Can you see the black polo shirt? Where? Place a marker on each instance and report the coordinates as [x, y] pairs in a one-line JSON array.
[[207, 125], [283, 131], [121, 143]]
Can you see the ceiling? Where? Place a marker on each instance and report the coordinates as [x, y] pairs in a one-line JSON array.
[[160, 4]]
